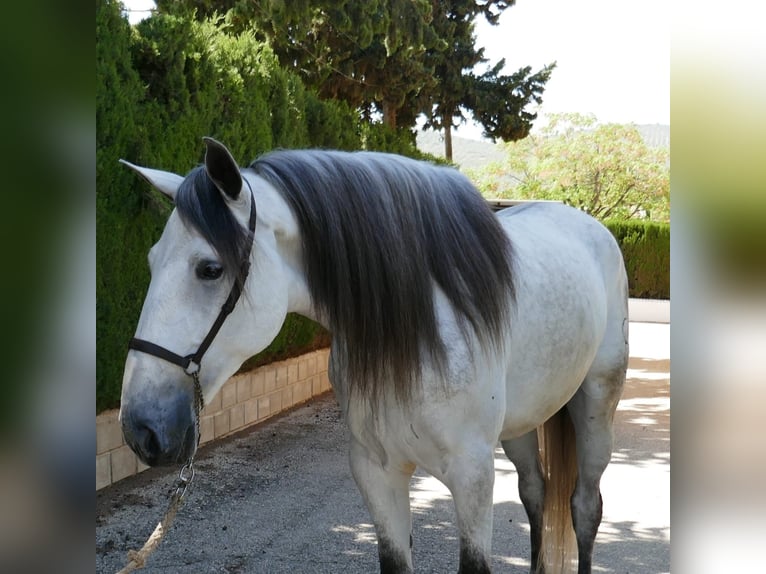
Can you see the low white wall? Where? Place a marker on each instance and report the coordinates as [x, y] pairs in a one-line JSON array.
[[649, 310], [245, 399]]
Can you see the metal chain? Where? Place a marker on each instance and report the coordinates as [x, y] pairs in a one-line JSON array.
[[199, 402], [137, 558], [187, 471]]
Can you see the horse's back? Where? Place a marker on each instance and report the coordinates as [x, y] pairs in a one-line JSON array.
[[552, 239], [562, 227], [571, 287]]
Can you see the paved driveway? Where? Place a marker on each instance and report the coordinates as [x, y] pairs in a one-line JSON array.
[[279, 498]]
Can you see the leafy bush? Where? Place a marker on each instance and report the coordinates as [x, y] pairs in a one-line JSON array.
[[607, 170], [125, 227], [646, 249]]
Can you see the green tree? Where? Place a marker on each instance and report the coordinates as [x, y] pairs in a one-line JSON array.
[[500, 102], [391, 58], [370, 55], [606, 170], [497, 101]]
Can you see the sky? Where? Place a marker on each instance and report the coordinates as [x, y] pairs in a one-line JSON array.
[[613, 56]]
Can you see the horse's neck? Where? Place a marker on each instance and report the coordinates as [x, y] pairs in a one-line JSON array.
[[275, 214]]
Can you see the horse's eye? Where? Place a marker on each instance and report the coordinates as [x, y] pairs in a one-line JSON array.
[[209, 270]]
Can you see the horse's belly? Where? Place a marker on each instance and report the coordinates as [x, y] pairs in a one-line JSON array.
[[530, 403]]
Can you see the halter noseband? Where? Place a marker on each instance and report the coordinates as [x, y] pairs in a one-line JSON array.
[[191, 363]]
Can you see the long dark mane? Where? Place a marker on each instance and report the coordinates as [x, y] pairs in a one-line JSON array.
[[379, 231]]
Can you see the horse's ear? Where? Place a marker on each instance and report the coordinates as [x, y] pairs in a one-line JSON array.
[[222, 168], [164, 181]]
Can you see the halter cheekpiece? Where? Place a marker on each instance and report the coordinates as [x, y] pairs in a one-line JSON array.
[[191, 363]]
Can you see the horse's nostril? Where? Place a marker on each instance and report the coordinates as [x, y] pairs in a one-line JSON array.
[[143, 441], [150, 445]]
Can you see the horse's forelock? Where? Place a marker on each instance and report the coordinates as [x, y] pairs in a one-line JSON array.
[[202, 207]]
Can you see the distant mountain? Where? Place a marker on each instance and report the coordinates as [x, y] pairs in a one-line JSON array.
[[655, 135], [467, 153], [474, 154]]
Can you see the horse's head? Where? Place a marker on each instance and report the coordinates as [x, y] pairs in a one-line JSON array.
[[193, 321]]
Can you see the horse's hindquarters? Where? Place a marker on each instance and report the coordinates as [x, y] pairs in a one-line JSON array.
[[570, 291]]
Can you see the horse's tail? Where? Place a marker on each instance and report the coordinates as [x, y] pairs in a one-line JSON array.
[[558, 457]]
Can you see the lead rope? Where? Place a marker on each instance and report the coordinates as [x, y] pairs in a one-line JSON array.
[[137, 558]]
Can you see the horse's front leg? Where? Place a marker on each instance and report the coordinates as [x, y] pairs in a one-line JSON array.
[[386, 492], [471, 478]]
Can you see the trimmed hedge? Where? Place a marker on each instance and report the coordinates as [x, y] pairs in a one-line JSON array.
[[160, 87], [646, 249]]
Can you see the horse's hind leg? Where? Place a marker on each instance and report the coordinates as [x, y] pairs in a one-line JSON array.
[[386, 492], [592, 411], [523, 452]]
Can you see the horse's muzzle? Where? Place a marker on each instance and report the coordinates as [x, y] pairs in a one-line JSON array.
[[160, 432]]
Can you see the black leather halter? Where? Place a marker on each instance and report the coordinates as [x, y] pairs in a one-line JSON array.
[[191, 363]]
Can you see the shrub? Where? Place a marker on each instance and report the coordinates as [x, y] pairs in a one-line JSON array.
[[646, 249], [124, 226]]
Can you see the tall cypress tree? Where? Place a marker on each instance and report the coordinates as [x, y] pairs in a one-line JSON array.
[[498, 102]]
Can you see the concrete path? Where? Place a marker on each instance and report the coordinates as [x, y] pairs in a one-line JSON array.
[[279, 498]]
